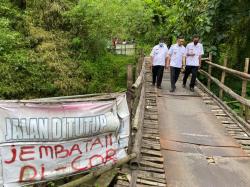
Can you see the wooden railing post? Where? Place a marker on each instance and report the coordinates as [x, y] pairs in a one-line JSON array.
[[129, 85], [209, 71], [139, 64], [223, 75], [129, 76], [244, 90]]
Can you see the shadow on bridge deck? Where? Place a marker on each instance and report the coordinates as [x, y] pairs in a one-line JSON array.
[[196, 147]]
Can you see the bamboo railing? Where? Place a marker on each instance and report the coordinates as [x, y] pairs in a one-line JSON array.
[[244, 76]]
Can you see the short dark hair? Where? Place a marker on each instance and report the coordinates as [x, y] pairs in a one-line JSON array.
[[180, 37], [161, 39], [196, 36]]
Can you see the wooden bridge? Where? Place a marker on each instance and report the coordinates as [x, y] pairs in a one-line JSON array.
[[185, 139]]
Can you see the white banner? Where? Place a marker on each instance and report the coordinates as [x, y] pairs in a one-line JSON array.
[[44, 141]]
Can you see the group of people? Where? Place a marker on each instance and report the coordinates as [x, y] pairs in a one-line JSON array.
[[176, 58]]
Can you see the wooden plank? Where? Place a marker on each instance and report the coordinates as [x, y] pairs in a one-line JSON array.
[[227, 122], [150, 121], [244, 142], [151, 136], [150, 131], [235, 130], [144, 185], [150, 126], [151, 169], [153, 147], [151, 117], [246, 147], [151, 144], [151, 183], [242, 137], [152, 175], [208, 102], [157, 143], [217, 110], [149, 112], [220, 114], [151, 152], [151, 164], [151, 158]]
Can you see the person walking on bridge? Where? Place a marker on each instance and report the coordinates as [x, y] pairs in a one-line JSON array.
[[194, 52], [176, 60], [158, 62]]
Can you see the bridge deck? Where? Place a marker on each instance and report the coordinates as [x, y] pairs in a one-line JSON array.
[[189, 140], [197, 149]]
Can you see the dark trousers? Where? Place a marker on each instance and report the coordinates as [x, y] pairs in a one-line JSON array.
[[174, 75], [157, 72], [188, 70]]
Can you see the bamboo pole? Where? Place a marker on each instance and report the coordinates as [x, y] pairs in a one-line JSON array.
[[98, 172], [223, 75], [244, 90], [140, 78], [239, 74], [139, 111], [242, 100], [209, 71]]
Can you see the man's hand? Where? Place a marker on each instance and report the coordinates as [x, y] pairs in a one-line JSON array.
[[183, 68]]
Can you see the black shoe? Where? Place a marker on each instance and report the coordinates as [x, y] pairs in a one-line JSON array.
[[184, 86], [159, 87], [172, 90], [192, 89]]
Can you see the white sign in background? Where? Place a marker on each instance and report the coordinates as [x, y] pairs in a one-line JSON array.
[[45, 141]]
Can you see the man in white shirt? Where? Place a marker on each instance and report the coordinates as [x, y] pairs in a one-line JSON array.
[[194, 51], [176, 59], [158, 60]]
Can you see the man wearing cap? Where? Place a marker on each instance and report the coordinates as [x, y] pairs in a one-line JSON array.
[[158, 62], [194, 51], [176, 59]]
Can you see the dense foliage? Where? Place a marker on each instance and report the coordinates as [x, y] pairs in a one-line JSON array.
[[59, 47]]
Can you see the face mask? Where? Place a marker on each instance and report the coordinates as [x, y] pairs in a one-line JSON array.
[[195, 42], [161, 44]]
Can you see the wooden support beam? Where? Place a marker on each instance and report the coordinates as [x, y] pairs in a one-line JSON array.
[[209, 71], [106, 178], [99, 171], [223, 75], [244, 90]]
